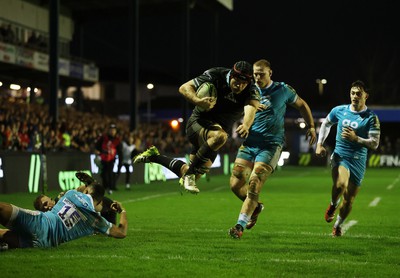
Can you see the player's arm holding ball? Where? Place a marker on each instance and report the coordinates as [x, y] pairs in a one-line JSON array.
[[188, 90]]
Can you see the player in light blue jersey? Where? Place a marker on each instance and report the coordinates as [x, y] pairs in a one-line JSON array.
[[75, 215], [258, 156], [358, 129], [45, 203]]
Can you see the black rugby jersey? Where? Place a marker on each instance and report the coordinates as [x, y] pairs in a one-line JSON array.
[[229, 107]]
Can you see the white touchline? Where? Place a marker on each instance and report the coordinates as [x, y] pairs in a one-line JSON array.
[[347, 225], [374, 202]]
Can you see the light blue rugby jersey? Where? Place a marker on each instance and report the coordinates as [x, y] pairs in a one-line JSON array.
[[74, 217], [363, 123], [268, 126]]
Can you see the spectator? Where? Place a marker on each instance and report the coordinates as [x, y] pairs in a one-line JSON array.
[[9, 35], [108, 146], [24, 137], [32, 41], [128, 152], [3, 32]]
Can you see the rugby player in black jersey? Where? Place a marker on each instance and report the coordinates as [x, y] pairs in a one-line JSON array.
[[211, 123]]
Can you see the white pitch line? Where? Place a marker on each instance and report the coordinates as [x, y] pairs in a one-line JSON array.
[[145, 257], [149, 197], [161, 258], [218, 189], [396, 180], [375, 202], [347, 225], [277, 233], [166, 194]]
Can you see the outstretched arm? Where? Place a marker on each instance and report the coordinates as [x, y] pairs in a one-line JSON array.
[[305, 112], [121, 230], [248, 118], [323, 134]]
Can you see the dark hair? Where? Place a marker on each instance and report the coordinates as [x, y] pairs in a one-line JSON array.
[[37, 203], [360, 84], [98, 191], [242, 70]]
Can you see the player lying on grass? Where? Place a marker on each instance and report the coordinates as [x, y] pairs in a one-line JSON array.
[[75, 215], [45, 203]]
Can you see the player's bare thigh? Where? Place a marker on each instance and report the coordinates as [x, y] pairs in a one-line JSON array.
[[5, 213]]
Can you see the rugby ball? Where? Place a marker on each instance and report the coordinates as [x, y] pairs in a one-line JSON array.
[[206, 89]]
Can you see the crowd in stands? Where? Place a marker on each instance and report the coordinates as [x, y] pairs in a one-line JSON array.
[[29, 127]]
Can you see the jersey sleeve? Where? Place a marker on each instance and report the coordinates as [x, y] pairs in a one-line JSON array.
[[210, 75], [254, 92], [103, 226], [291, 93], [375, 126], [332, 116]]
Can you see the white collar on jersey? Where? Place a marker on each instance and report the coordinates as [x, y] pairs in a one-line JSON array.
[[270, 84], [352, 110]]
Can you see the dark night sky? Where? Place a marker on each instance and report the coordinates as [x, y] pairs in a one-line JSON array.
[[304, 40]]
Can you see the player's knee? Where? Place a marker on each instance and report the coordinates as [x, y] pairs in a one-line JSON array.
[[3, 207], [220, 138], [341, 184], [258, 177], [5, 213], [240, 171], [261, 172], [239, 176]]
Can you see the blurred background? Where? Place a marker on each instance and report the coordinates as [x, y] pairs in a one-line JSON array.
[[69, 68]]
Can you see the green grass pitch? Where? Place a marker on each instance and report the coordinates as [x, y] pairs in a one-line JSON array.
[[174, 235]]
